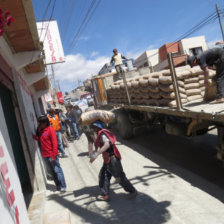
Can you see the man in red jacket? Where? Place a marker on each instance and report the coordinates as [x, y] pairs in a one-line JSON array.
[[47, 138], [112, 165]]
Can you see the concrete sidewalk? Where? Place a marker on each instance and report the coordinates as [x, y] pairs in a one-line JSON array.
[[163, 197]]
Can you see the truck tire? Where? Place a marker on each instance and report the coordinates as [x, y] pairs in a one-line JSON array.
[[124, 125]]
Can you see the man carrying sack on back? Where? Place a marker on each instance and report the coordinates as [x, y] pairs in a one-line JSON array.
[[208, 58]]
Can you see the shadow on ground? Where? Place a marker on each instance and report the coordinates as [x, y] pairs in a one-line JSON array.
[[120, 210], [193, 154]]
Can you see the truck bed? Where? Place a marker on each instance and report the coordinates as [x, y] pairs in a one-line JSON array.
[[196, 109]]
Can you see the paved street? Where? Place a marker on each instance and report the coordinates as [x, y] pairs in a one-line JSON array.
[[175, 183]]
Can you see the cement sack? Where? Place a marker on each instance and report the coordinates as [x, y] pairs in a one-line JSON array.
[[89, 117], [145, 96], [155, 95], [192, 92], [145, 89], [153, 89], [135, 84], [153, 82], [153, 102], [191, 80], [184, 74], [165, 72], [165, 80], [172, 95], [144, 82], [192, 86], [170, 103], [210, 92], [170, 88], [195, 97]]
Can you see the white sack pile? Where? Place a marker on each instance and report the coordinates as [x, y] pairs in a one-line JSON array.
[[156, 89], [89, 117]]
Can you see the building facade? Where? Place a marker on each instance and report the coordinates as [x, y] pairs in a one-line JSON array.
[[157, 59], [23, 82]]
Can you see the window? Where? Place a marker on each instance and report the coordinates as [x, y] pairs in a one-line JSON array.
[[195, 51]]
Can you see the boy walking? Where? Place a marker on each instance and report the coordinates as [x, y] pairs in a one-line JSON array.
[[112, 166]]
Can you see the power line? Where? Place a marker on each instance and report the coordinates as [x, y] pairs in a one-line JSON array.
[[82, 23], [45, 13], [52, 12], [90, 17], [212, 17]]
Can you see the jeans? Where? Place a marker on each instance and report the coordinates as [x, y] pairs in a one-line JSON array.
[[74, 130], [119, 71], [115, 169], [56, 172], [219, 78], [60, 145]]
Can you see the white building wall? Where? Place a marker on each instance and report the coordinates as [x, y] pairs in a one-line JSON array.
[[153, 57], [13, 210], [188, 43], [29, 120]]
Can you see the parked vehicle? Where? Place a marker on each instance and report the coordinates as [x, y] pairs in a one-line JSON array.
[[187, 120]]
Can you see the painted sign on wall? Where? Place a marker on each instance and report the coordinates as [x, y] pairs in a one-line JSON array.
[[50, 36]]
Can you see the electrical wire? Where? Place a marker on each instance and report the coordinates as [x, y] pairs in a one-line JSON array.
[[52, 12], [68, 19], [211, 18], [86, 24], [82, 23], [43, 17]]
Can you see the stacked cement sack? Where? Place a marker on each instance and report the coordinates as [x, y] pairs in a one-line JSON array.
[[156, 89]]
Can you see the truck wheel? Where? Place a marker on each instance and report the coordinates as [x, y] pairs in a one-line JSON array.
[[124, 125]]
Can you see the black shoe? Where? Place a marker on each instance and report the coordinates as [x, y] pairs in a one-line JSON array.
[[133, 195], [64, 156]]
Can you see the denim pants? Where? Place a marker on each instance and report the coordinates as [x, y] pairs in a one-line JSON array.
[[56, 171], [74, 129], [219, 78], [115, 169], [60, 145]]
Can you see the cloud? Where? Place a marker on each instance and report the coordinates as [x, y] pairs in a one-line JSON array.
[[94, 54], [134, 54], [77, 67]]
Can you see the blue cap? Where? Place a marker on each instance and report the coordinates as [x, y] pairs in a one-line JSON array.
[[98, 124]]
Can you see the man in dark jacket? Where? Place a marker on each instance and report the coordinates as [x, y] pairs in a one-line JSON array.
[[73, 122], [208, 58]]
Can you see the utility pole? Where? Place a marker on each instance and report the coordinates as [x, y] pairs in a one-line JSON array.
[[220, 21]]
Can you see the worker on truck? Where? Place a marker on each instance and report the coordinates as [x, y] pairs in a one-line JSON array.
[[208, 58], [117, 59]]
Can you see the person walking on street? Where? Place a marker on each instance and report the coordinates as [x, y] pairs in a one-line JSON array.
[[117, 59], [46, 136], [112, 166], [78, 113], [73, 119], [55, 123], [63, 119], [208, 58]]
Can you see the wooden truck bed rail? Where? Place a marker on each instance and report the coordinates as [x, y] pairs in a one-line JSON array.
[[196, 110]]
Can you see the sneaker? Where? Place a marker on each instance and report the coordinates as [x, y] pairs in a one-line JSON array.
[[63, 190], [221, 100], [103, 198], [133, 195]]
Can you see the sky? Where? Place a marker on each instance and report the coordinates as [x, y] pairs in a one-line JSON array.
[[131, 26]]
